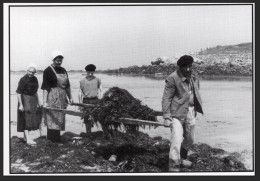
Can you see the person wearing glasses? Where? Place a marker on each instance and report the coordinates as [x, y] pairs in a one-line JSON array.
[[56, 94], [28, 116]]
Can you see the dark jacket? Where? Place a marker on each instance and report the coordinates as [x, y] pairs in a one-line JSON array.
[[175, 100]]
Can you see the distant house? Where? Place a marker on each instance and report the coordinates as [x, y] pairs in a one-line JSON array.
[[197, 60]]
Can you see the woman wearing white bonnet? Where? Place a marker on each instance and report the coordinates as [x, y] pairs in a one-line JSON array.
[[29, 114], [56, 90], [32, 65]]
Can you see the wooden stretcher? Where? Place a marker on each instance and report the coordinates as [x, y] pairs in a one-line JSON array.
[[158, 113], [122, 120]]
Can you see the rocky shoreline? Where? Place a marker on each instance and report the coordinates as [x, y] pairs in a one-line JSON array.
[[204, 65]]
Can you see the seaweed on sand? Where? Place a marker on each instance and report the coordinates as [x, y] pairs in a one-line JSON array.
[[135, 153], [119, 103]]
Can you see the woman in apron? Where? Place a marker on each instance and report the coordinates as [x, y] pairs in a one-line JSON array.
[[56, 89], [29, 114]]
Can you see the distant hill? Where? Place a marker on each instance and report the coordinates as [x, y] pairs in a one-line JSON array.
[[229, 49], [220, 60]]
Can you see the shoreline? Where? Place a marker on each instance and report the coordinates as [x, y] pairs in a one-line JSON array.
[[203, 77]]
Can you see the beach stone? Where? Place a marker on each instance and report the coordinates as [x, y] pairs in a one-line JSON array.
[[63, 156], [45, 157], [88, 167], [113, 158], [22, 167], [19, 161], [122, 164], [80, 143], [156, 144], [76, 138], [34, 163]]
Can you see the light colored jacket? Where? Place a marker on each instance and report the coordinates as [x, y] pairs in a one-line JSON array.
[[175, 100]]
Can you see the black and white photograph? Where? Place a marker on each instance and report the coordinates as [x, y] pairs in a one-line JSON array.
[[94, 89]]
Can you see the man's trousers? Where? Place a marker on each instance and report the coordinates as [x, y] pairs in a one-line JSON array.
[[182, 137]]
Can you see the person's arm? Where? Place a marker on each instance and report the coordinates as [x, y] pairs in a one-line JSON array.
[[21, 108], [68, 90], [19, 92], [45, 86], [36, 94], [80, 96], [45, 93], [37, 98], [198, 85], [168, 95], [100, 91]]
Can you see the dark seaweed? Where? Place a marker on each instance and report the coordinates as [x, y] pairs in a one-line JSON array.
[[119, 103], [135, 153]]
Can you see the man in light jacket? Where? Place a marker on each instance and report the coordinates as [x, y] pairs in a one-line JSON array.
[[180, 103]]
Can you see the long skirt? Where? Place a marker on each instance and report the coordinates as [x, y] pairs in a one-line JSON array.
[[54, 120], [30, 118]]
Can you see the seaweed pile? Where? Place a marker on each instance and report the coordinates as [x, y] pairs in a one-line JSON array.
[[134, 153], [119, 103]]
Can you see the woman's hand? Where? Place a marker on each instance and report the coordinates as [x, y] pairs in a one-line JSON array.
[[45, 104], [21, 108], [167, 122], [71, 101], [39, 105]]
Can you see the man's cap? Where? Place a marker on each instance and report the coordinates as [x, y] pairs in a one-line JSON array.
[[185, 60], [90, 67]]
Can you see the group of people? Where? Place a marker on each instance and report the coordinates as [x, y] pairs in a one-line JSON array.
[[56, 94], [181, 102]]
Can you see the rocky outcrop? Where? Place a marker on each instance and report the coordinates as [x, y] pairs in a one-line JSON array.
[[209, 64]]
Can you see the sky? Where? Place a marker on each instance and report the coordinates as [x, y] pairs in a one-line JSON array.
[[120, 36]]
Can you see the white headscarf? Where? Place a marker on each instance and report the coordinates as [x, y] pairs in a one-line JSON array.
[[56, 53], [32, 65]]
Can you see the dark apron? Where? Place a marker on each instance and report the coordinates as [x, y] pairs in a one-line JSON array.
[[30, 118]]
